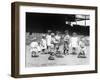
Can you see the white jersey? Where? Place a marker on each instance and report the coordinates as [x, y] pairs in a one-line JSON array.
[[48, 40], [74, 42], [34, 46], [43, 44], [66, 38], [53, 41], [81, 44], [57, 38]]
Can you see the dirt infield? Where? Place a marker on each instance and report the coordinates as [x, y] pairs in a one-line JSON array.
[[42, 60]]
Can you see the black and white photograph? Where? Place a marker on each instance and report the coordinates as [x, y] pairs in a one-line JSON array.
[[52, 39], [57, 39]]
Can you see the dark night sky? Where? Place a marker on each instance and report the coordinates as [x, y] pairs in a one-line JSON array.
[[41, 22]]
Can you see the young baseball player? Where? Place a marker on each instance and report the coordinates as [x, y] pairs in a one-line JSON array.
[[34, 47], [57, 44], [66, 42], [48, 40], [57, 40], [82, 47], [74, 43], [53, 42], [61, 46], [43, 43], [52, 47]]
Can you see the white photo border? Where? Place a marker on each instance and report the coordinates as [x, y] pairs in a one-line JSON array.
[[22, 29]]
